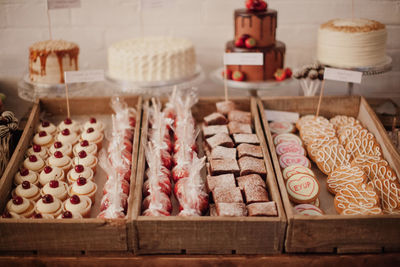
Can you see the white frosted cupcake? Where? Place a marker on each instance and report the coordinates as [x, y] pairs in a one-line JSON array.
[[79, 171], [21, 206], [78, 204], [55, 188], [47, 127], [43, 138], [84, 145], [69, 215], [26, 175], [51, 173], [34, 163], [87, 160], [38, 151], [66, 149], [27, 190], [11, 215], [83, 187], [95, 124], [42, 216], [69, 124], [93, 136], [68, 136], [49, 205], [58, 159]]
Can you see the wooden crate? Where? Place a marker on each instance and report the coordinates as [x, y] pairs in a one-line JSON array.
[[333, 232], [75, 236], [209, 235]]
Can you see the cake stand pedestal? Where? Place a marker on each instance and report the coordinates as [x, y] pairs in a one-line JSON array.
[[384, 67], [251, 87]]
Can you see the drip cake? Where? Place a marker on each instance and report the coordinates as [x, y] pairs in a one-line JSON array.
[[352, 43], [49, 59], [255, 32], [151, 59]]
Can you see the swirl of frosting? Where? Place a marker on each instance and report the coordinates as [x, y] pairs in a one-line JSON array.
[[70, 138], [65, 148], [28, 193], [82, 207], [42, 140], [75, 215], [92, 137], [91, 148], [52, 207], [85, 189], [48, 127], [59, 162], [97, 125], [55, 174], [42, 153], [21, 208], [74, 126], [88, 161], [59, 192], [31, 177], [87, 173], [34, 165]]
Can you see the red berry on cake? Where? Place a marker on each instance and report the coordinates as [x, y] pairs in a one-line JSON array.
[[42, 133], [81, 181], [66, 215], [288, 72], [48, 169], [68, 121], [238, 76], [256, 5], [24, 172], [249, 4], [54, 183], [57, 144], [239, 42], [79, 168], [37, 148], [75, 199], [26, 184], [45, 124], [93, 120], [280, 75], [82, 154], [65, 131], [32, 158], [58, 154], [17, 200], [228, 74], [85, 143], [250, 42], [48, 198]]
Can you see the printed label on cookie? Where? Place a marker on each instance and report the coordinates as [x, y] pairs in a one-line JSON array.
[[302, 187], [289, 159]]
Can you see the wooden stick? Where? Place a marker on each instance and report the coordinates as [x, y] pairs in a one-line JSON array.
[[141, 19], [320, 97], [67, 98], [49, 24], [352, 9], [226, 82]]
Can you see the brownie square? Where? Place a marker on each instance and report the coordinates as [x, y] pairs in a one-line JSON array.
[[224, 107], [221, 152], [215, 119], [262, 209], [251, 179], [211, 130], [237, 127], [255, 193], [231, 209], [220, 139], [246, 138], [220, 181], [249, 150], [240, 116], [249, 165], [223, 166], [227, 195]]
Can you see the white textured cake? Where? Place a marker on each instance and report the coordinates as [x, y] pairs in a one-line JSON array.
[[49, 59], [151, 59], [351, 43]]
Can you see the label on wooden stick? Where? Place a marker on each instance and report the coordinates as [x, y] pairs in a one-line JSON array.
[[59, 4], [342, 75], [244, 59], [83, 76]]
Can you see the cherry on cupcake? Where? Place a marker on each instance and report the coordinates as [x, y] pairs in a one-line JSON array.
[[42, 133], [58, 144], [75, 199], [68, 121], [38, 216], [26, 185], [58, 154], [79, 168], [85, 143], [238, 75], [82, 154], [24, 172], [81, 181], [48, 169], [93, 120], [47, 199], [6, 214], [65, 132], [37, 148], [54, 183], [66, 215], [45, 124], [32, 158], [90, 130], [17, 200]]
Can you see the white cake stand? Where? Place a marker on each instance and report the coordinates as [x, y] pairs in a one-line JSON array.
[[252, 87], [157, 88]]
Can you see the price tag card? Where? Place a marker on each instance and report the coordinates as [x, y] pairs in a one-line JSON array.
[[151, 4], [244, 59], [83, 76], [274, 115], [342, 75], [58, 4]]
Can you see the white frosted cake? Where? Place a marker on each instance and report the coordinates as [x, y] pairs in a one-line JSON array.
[[49, 59], [351, 43], [151, 59]]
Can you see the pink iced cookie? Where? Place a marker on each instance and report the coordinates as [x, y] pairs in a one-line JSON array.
[[280, 127], [288, 159], [295, 169], [308, 209], [287, 147], [287, 137]]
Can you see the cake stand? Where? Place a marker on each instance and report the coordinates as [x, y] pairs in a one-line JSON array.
[[384, 67], [251, 87], [157, 88]]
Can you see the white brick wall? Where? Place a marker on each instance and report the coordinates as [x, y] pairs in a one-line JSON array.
[[208, 23]]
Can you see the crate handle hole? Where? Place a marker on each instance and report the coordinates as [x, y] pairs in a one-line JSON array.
[[83, 252], [234, 251], [183, 251]]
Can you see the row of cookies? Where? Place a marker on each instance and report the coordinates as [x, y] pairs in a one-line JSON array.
[[236, 167], [48, 176]]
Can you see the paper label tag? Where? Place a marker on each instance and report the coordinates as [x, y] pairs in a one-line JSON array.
[[58, 4], [150, 4], [244, 59], [342, 75], [274, 115], [83, 76]]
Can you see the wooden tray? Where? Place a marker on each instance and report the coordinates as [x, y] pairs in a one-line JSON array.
[[75, 236], [333, 232], [209, 235]]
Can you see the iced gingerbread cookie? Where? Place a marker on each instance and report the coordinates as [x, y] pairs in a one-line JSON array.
[[389, 194], [330, 157], [296, 169], [340, 121], [308, 209], [315, 145], [344, 175], [310, 133], [348, 132], [287, 147], [375, 167], [289, 159], [311, 120], [357, 200], [287, 138], [367, 145], [280, 127], [302, 188]]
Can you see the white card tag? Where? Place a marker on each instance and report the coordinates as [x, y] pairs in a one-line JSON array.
[[58, 4], [151, 4], [244, 59], [342, 75], [274, 115], [83, 76]]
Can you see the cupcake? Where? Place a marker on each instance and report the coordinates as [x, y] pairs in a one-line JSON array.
[[10, 215], [78, 204], [58, 159], [87, 160], [66, 149], [67, 136], [38, 151], [26, 175], [21, 206], [47, 127], [69, 124], [95, 124], [42, 138], [56, 188], [83, 187], [49, 205], [93, 136], [89, 148], [42, 216], [28, 191], [69, 215], [51, 173], [34, 163], [79, 171]]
